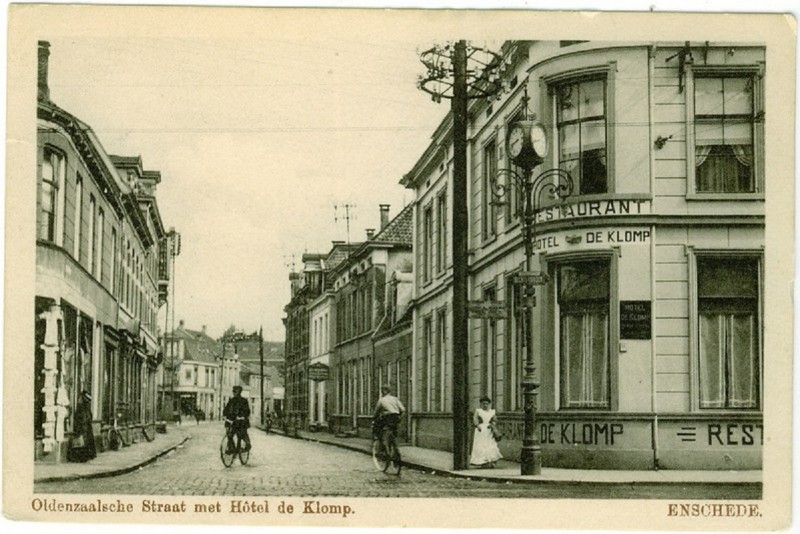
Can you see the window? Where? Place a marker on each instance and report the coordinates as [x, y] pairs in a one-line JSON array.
[[581, 123], [53, 173], [427, 247], [723, 129], [100, 238], [78, 219], [113, 273], [516, 341], [489, 356], [438, 378], [583, 300], [489, 174], [441, 231], [729, 353], [427, 351], [91, 236]]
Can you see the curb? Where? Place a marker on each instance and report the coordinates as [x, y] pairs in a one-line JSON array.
[[113, 472], [505, 480]]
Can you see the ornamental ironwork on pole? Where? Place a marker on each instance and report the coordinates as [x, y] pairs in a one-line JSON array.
[[459, 71], [527, 147]]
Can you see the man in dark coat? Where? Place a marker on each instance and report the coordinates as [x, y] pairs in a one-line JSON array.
[[238, 412], [82, 447]]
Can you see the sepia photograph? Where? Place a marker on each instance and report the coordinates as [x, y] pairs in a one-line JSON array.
[[337, 267]]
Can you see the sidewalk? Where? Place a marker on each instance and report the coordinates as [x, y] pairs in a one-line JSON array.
[[441, 462], [127, 459], [112, 463]]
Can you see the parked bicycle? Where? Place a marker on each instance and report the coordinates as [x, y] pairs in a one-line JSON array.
[[116, 437], [385, 453], [233, 444]]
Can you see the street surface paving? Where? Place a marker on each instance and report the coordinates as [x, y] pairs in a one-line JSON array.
[[281, 466]]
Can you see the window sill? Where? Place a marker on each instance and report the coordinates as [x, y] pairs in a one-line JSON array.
[[726, 196], [489, 240]]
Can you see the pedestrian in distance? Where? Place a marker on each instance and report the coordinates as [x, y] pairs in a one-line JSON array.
[[237, 413], [176, 417], [197, 413], [82, 446], [485, 452]]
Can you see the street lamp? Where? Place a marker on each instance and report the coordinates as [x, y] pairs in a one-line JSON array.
[[526, 146]]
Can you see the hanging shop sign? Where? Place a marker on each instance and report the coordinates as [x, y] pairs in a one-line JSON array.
[[318, 372], [533, 278], [487, 309], [635, 319]]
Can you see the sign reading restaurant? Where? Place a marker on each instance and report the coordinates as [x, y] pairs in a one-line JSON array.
[[593, 208]]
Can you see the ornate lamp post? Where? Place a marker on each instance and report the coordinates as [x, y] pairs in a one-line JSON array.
[[527, 146]]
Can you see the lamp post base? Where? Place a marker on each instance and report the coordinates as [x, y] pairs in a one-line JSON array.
[[531, 460]]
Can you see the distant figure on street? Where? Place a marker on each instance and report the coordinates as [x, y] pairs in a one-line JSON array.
[[176, 417], [484, 446], [82, 447], [387, 412], [237, 411], [197, 412]]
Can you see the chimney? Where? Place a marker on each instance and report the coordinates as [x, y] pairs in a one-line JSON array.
[[44, 56], [180, 323], [370, 233], [384, 215], [203, 330]]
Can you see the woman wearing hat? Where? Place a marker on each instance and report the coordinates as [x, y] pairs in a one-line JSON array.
[[484, 447], [82, 447]]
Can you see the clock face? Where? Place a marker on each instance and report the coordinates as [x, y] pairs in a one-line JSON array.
[[539, 140], [516, 141]]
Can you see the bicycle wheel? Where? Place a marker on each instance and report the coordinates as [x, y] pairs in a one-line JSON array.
[[393, 465], [379, 457], [244, 455], [225, 453], [149, 432], [114, 439]]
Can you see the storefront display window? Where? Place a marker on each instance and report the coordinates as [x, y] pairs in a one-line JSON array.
[[583, 299]]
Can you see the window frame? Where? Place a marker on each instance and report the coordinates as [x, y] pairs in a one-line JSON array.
[[694, 318], [756, 72], [428, 231], [488, 205], [551, 370], [56, 228], [441, 231], [489, 356], [549, 102]]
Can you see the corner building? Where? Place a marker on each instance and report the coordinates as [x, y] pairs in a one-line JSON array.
[[648, 332]]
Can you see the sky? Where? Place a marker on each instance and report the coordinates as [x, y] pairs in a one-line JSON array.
[[260, 142]]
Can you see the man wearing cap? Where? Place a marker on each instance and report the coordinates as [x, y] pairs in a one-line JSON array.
[[238, 411]]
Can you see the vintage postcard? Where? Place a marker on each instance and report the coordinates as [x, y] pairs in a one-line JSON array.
[[399, 268]]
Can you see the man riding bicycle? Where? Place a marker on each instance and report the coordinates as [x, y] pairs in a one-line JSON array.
[[387, 413], [237, 413]]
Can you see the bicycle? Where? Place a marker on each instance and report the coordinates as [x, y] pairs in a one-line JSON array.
[[117, 438], [385, 453], [231, 445]]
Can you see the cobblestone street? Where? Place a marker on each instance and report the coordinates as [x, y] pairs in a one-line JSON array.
[[289, 467]]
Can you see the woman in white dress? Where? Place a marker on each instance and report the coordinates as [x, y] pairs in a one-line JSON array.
[[484, 448]]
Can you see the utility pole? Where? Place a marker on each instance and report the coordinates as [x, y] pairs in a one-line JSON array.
[[460, 327], [471, 73], [261, 380]]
